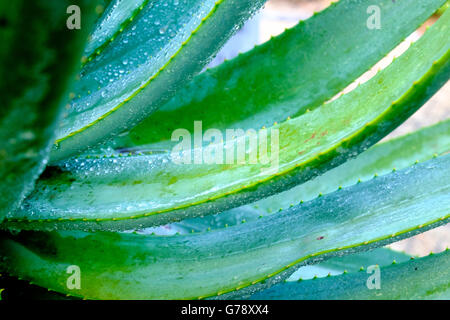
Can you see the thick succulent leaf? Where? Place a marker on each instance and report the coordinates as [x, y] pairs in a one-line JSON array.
[[38, 55], [155, 54], [298, 70], [133, 266], [380, 159], [116, 18], [95, 193], [349, 263], [424, 278]]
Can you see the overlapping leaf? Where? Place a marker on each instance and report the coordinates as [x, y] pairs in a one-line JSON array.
[[424, 278], [38, 54], [299, 70], [80, 192], [133, 266], [113, 21], [382, 158], [349, 263], [21, 289], [150, 57], [92, 193]]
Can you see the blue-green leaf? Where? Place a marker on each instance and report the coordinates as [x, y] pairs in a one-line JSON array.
[[424, 278], [349, 263], [154, 55], [395, 154], [137, 191], [117, 16], [133, 266]]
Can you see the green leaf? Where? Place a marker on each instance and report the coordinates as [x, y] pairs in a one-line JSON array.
[[155, 54], [298, 70], [39, 55], [111, 193], [395, 154], [21, 289], [133, 266], [349, 263], [114, 20], [424, 278], [443, 8]]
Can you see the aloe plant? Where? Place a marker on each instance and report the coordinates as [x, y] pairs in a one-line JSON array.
[[327, 194]]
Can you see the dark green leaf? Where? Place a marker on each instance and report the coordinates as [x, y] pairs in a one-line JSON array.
[[38, 55]]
